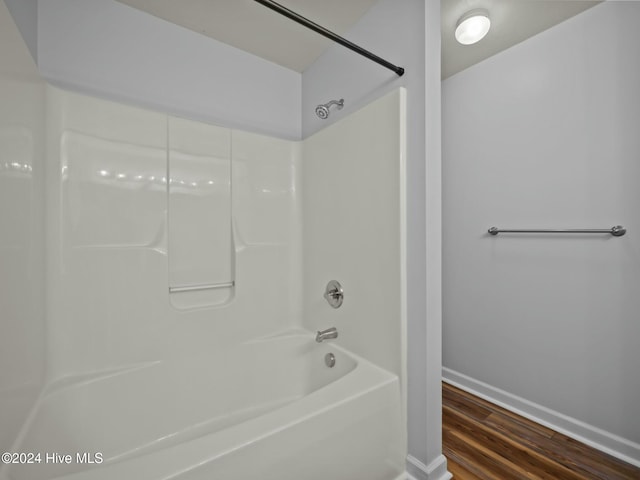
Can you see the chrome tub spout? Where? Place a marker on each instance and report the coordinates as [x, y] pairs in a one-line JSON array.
[[323, 335]]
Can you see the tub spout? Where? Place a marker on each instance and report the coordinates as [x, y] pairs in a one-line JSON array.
[[323, 335]]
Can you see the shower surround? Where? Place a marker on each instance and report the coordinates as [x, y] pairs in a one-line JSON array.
[[165, 381]]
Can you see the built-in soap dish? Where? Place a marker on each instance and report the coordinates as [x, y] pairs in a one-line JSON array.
[[205, 295]]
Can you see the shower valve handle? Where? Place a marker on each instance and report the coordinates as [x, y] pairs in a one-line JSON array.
[[334, 294]]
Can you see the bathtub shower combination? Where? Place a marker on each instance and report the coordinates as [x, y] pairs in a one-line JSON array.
[[270, 408], [192, 328]]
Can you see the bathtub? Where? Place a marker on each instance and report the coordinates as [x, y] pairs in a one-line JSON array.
[[279, 413]]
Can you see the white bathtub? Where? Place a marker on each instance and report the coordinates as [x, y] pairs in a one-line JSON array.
[[267, 410]]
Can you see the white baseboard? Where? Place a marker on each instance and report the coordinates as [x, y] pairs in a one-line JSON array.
[[607, 442], [436, 470]]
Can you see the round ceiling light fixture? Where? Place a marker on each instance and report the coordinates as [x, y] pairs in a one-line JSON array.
[[473, 26]]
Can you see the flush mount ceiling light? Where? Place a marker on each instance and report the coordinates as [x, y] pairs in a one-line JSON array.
[[473, 26]]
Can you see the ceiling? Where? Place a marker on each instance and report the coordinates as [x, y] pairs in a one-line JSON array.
[[249, 26], [512, 21], [256, 29]]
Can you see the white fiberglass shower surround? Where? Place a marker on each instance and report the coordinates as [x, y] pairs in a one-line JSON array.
[[183, 287]]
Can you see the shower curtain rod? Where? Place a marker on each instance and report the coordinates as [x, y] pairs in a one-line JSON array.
[[330, 35]]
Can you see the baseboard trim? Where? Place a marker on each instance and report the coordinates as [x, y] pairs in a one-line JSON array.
[[607, 442], [436, 470]]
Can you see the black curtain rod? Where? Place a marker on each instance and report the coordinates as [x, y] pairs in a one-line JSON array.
[[330, 35]]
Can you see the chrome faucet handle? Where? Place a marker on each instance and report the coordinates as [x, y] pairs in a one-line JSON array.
[[334, 294]]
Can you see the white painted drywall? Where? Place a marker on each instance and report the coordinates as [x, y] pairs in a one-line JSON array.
[[108, 49], [22, 347], [545, 134], [431, 419], [395, 30]]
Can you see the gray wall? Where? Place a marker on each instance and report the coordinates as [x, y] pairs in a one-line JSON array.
[[395, 30], [545, 134], [430, 368], [108, 49]]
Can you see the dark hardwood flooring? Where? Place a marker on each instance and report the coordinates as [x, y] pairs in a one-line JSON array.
[[485, 442]]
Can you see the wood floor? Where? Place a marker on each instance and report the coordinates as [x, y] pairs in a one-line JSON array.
[[485, 442]]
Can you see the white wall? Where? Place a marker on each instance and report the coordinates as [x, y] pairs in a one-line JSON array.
[[392, 30], [353, 189], [353, 204], [111, 221], [22, 347], [109, 49], [545, 134], [109, 235]]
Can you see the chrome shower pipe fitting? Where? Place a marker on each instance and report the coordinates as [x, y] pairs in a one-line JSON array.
[[322, 110]]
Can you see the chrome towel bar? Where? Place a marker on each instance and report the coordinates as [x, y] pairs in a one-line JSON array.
[[193, 288], [616, 231]]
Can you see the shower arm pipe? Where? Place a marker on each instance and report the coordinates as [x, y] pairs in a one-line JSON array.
[[330, 35], [339, 103]]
